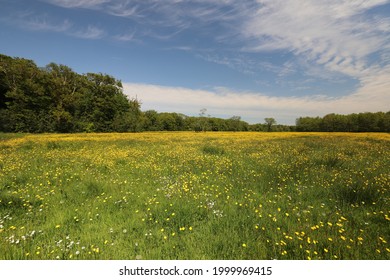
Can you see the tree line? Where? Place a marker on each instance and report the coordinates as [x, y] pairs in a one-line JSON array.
[[54, 98], [361, 122]]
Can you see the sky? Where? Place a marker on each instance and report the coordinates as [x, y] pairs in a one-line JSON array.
[[250, 58]]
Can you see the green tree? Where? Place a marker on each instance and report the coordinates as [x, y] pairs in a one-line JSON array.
[[269, 122]]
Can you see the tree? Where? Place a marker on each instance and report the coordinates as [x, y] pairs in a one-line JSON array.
[[202, 123], [234, 123], [269, 122]]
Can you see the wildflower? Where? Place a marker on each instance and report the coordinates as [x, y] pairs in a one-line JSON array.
[[383, 240], [244, 245], [58, 226]]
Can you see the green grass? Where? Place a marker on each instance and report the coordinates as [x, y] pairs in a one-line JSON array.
[[195, 196]]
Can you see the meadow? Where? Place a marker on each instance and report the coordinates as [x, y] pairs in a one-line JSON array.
[[188, 195]]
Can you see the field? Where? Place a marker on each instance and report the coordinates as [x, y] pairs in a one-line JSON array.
[[190, 195]]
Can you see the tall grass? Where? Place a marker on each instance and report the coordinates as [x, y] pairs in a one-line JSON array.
[[195, 196]]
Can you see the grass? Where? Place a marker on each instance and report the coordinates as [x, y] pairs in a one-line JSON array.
[[195, 196]]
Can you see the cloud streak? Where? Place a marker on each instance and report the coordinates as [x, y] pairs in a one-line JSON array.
[[46, 23]]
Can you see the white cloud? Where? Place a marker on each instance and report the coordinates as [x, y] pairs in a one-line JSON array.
[[254, 107]]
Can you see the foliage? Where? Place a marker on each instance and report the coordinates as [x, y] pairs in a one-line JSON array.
[[188, 195], [56, 99], [362, 122]]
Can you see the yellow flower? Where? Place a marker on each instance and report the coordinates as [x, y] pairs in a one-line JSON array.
[[58, 226], [244, 245]]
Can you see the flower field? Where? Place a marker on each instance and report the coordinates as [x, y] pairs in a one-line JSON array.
[[188, 195]]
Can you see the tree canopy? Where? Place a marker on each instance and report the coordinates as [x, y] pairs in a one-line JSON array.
[[362, 122], [56, 99]]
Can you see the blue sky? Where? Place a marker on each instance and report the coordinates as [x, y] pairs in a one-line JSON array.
[[255, 59]]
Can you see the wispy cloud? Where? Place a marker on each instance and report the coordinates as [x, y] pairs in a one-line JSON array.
[[334, 34], [127, 37], [91, 32], [44, 25]]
